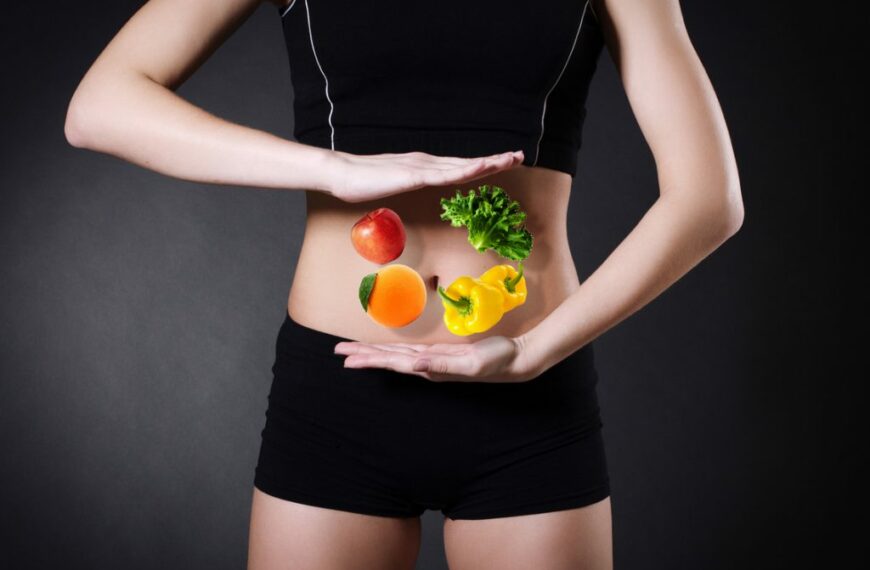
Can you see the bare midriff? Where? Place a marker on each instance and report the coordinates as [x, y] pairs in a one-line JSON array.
[[324, 292]]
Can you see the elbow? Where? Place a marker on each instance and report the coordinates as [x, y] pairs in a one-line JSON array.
[[75, 125], [713, 211], [72, 132], [88, 108], [730, 220], [726, 218], [96, 108], [733, 219]]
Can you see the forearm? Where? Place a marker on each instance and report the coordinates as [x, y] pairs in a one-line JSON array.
[[673, 236], [130, 116]]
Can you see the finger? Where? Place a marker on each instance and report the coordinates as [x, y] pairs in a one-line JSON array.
[[505, 161], [456, 368], [417, 347], [447, 364], [366, 349], [426, 159], [436, 161], [488, 169], [453, 348], [444, 162], [452, 167], [449, 348], [480, 162], [495, 164], [395, 347], [383, 359], [444, 177], [349, 347], [453, 162], [360, 347]]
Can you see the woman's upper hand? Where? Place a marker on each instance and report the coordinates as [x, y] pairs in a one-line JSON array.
[[492, 359], [357, 178]]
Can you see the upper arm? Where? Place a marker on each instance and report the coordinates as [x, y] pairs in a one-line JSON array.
[[167, 40], [670, 95]]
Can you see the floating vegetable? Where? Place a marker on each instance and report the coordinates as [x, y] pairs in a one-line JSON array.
[[510, 283], [494, 221], [471, 306]]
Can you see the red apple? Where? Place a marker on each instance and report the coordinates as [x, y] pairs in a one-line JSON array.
[[379, 236]]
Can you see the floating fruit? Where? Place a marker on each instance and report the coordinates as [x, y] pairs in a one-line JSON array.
[[379, 236], [393, 296]]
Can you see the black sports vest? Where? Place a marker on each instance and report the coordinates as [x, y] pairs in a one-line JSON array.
[[452, 78]]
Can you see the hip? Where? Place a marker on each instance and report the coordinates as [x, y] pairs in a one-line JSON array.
[[361, 407]]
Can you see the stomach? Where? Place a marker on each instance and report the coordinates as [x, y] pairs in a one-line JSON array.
[[324, 291]]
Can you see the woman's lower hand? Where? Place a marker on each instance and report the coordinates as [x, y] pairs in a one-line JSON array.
[[358, 178], [492, 359]]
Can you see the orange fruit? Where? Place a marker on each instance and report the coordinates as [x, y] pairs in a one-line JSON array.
[[393, 296]]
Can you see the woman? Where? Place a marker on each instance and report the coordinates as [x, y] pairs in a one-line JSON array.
[[399, 104]]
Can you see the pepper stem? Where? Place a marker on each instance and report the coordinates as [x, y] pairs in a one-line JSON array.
[[511, 283], [462, 304]]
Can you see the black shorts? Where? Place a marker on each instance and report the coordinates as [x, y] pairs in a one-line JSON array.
[[381, 442]]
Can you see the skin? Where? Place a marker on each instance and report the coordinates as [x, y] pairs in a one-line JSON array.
[[125, 105]]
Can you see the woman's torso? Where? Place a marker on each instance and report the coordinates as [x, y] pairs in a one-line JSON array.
[[324, 291], [458, 79]]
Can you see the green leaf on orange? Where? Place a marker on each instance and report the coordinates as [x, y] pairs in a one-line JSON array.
[[365, 290]]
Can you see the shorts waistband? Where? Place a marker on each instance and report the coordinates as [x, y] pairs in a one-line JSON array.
[[295, 336]]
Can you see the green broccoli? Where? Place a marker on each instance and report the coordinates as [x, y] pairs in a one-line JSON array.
[[493, 220]]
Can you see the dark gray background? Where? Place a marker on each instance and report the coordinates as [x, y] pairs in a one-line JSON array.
[[139, 312]]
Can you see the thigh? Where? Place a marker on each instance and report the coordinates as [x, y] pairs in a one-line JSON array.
[[571, 539], [289, 535]]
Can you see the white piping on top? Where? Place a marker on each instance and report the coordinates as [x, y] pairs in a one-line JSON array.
[[331, 106], [591, 8], [570, 54], [287, 9]]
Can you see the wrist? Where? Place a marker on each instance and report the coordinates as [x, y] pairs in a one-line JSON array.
[[312, 167], [329, 164], [530, 361]]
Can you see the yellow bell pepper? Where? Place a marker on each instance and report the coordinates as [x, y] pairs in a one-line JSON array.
[[509, 282], [471, 306]]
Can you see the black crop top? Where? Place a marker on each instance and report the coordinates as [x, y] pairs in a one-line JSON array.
[[461, 78]]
